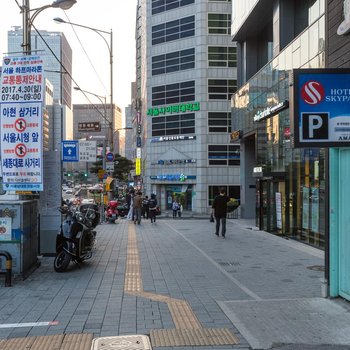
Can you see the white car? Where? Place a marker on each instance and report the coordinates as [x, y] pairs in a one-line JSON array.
[[69, 191], [87, 201]]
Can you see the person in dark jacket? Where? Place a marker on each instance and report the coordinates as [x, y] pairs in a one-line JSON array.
[[220, 210], [152, 206]]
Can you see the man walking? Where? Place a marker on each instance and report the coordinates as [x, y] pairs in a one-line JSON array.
[[220, 210], [137, 208]]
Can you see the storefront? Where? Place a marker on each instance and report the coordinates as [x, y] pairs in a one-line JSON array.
[[283, 188]]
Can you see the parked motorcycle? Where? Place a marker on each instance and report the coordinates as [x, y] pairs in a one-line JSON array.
[[112, 212], [76, 238]]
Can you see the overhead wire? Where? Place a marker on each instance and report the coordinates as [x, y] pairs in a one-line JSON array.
[[69, 74], [87, 56]]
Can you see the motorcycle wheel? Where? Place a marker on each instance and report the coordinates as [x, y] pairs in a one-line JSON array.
[[62, 261]]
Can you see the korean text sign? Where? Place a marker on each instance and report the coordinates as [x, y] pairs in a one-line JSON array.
[[321, 107], [21, 98]]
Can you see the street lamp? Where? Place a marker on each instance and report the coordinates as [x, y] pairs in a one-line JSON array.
[[29, 19], [110, 49]]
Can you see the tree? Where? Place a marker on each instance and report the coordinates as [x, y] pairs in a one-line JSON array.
[[122, 167]]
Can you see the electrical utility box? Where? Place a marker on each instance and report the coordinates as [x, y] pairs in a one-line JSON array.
[[19, 235]]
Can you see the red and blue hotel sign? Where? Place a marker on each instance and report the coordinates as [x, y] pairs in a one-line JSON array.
[[321, 114]]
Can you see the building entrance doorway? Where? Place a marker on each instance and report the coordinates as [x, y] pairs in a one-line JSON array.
[[270, 205]]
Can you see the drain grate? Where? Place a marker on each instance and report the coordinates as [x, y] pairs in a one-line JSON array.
[[129, 342], [316, 268]]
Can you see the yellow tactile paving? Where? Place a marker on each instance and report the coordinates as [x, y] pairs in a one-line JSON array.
[[49, 342], [188, 331]]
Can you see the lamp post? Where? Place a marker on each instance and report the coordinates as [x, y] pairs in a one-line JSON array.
[[29, 19], [110, 49]]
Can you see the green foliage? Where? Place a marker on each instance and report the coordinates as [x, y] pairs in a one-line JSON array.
[[122, 167]]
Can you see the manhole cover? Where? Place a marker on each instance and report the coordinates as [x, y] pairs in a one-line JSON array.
[[129, 342], [316, 268]]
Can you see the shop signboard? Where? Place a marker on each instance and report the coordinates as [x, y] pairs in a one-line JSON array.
[[21, 97], [321, 115]]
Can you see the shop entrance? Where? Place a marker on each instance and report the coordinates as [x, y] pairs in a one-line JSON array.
[[183, 194], [270, 205]]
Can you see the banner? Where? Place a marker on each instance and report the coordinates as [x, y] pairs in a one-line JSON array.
[[21, 97]]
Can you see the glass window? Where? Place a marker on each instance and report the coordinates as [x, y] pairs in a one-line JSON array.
[[159, 6], [219, 122], [224, 155], [219, 23], [231, 191], [221, 89], [222, 56], [173, 125], [173, 30], [172, 62]]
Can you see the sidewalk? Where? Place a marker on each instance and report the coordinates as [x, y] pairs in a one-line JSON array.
[[180, 284]]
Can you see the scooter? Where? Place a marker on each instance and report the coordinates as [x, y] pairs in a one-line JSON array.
[[76, 238], [112, 212]]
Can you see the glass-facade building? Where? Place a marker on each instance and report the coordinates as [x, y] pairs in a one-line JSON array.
[[284, 188]]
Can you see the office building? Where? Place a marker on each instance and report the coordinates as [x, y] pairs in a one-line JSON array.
[[94, 120], [185, 75], [283, 187]]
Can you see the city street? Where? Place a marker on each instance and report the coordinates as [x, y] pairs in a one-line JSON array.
[[178, 283]]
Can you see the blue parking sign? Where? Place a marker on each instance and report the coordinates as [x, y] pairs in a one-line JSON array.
[[70, 151]]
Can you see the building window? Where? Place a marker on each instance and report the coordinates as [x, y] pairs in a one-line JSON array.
[[231, 191], [173, 30], [173, 125], [221, 89], [173, 62], [159, 6], [219, 23], [228, 155], [173, 93], [222, 56], [219, 122]]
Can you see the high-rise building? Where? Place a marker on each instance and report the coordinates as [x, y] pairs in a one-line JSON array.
[[185, 75], [86, 116], [62, 83]]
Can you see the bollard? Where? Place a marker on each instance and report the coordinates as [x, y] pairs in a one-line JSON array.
[[8, 273]]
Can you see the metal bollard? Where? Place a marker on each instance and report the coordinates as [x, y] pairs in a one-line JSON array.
[[8, 273]]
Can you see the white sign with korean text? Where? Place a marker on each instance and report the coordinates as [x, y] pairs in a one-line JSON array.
[[21, 97], [87, 151]]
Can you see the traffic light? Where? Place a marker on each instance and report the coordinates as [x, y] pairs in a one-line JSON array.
[[69, 174], [85, 174]]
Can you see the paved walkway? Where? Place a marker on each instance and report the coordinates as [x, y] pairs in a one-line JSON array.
[[181, 285]]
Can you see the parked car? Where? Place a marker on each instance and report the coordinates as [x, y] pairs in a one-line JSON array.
[[69, 191]]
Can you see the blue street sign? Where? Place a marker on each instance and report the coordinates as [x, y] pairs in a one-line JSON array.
[[105, 175], [110, 157], [70, 151]]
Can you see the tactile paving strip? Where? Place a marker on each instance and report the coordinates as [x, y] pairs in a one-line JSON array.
[[194, 337], [189, 330], [49, 342]]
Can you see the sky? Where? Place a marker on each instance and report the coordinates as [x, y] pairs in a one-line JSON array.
[[118, 15]]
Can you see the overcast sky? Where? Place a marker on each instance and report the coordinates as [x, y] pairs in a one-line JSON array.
[[118, 15]]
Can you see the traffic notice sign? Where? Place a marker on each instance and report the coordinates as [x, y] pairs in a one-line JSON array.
[[70, 151], [109, 156]]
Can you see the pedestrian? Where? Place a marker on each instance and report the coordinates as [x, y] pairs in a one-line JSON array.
[[145, 209], [220, 210], [137, 205], [175, 207], [180, 210], [129, 203], [152, 206]]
